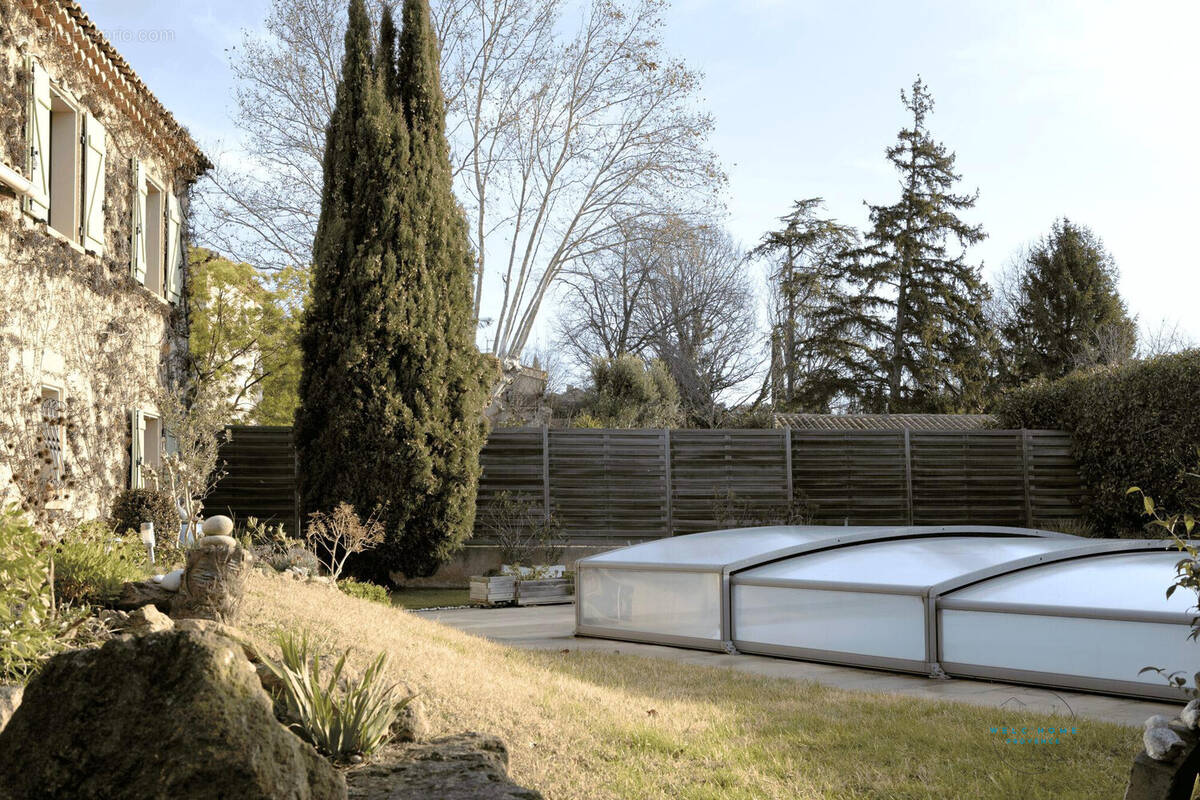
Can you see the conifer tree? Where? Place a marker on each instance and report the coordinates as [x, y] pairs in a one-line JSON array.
[[1065, 312], [918, 306], [391, 389]]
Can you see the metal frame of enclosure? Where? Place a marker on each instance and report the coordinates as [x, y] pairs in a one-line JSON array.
[[912, 599]]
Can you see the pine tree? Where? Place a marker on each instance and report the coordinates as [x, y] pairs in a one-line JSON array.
[[391, 388], [1066, 312], [809, 262], [918, 308]]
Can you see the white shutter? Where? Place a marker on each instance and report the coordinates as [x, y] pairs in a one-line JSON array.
[[176, 251], [137, 431], [93, 185], [137, 243], [38, 137]]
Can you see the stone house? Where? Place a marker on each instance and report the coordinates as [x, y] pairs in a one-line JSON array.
[[94, 181]]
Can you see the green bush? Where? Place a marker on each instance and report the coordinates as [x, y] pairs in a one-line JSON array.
[[31, 629], [1132, 425], [339, 722], [135, 506], [91, 563], [367, 591]]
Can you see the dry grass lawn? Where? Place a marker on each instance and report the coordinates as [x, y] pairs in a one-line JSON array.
[[601, 725]]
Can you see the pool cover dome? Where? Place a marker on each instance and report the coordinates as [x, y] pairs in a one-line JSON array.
[[973, 601]]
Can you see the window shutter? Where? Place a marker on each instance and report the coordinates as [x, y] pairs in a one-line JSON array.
[[175, 249], [137, 244], [137, 430], [38, 137], [93, 185]]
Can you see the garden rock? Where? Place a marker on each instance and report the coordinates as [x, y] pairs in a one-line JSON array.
[[1167, 768], [1191, 714], [218, 525], [469, 766], [214, 580], [147, 619], [221, 629], [412, 724], [178, 715], [10, 698], [137, 594]]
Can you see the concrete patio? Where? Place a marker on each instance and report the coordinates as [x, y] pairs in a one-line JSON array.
[[551, 628]]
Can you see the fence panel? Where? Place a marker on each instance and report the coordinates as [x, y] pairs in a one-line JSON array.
[[259, 462], [617, 486]]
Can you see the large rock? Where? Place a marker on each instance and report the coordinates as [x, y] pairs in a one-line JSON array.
[[470, 766], [1173, 778], [412, 723], [10, 698], [214, 580], [172, 715], [134, 595], [147, 619]]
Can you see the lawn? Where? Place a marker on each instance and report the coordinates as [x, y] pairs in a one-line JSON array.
[[601, 725], [413, 599]]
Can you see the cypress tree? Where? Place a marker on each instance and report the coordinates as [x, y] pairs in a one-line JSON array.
[[918, 310], [391, 390], [1067, 312], [439, 390]]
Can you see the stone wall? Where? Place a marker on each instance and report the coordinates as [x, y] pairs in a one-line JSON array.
[[72, 320]]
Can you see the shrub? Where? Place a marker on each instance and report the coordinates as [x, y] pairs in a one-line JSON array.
[[1132, 425], [367, 591], [731, 511], [31, 629], [91, 563], [337, 536], [135, 506], [523, 532], [295, 556], [339, 722]]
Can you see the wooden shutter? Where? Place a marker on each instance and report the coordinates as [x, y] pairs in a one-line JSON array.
[[37, 134], [137, 431], [173, 268], [137, 243], [93, 185]]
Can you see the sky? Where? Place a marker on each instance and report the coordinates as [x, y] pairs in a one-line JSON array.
[[1086, 109]]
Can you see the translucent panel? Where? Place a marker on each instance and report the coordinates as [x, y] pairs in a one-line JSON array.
[[1123, 581], [645, 601], [1094, 648], [873, 624], [718, 548], [905, 562]]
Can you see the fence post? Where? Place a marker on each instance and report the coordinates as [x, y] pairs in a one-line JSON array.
[[1025, 445], [908, 473], [295, 481], [669, 483], [787, 463], [546, 470]]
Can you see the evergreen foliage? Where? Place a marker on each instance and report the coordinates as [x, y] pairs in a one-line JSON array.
[[809, 258], [1066, 312], [392, 389], [916, 309], [628, 392], [1132, 425]]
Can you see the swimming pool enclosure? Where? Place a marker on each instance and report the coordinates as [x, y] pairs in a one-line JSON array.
[[1007, 604]]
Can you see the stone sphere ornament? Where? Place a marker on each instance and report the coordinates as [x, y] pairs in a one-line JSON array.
[[219, 525]]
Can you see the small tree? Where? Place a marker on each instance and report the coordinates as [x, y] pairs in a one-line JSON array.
[[337, 536], [521, 529]]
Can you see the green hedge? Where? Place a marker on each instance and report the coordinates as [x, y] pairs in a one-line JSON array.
[[1133, 425]]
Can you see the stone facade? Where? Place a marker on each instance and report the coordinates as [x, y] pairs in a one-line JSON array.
[[94, 183]]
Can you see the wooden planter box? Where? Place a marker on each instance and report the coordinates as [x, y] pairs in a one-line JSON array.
[[506, 589]]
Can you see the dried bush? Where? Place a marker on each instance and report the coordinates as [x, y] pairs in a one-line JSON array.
[[523, 532], [337, 536], [731, 511]]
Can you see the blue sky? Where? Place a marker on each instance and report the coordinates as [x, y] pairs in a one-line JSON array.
[[1054, 107]]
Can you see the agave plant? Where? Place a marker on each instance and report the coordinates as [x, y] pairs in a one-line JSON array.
[[339, 722]]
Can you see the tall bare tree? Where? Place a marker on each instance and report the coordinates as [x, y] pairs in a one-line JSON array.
[[702, 314], [558, 137]]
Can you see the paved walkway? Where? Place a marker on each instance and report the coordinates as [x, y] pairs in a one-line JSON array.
[[551, 628]]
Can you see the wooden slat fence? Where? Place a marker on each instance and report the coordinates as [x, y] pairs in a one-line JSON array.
[[617, 486]]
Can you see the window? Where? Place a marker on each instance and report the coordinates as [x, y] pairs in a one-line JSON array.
[[145, 446], [66, 162], [157, 246], [52, 434], [153, 227], [64, 166]]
